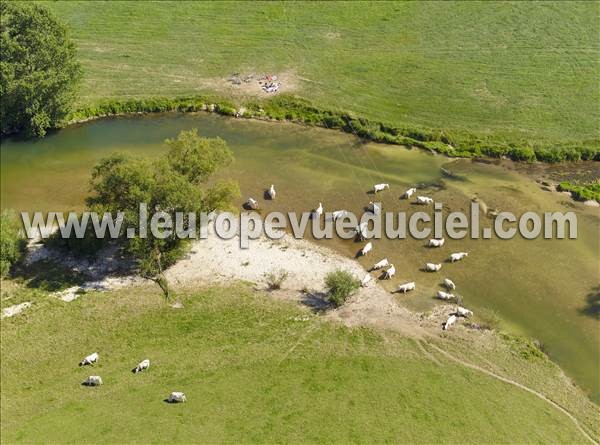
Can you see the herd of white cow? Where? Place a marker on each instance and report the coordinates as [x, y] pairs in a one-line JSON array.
[[96, 380], [389, 270], [429, 267]]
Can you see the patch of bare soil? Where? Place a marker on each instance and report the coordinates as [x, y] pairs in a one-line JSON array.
[[247, 84]]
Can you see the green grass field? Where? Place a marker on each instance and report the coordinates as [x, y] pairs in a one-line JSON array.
[[253, 373], [515, 70]]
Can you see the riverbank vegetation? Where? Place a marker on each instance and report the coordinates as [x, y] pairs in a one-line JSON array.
[[308, 377], [463, 78], [12, 242], [581, 191], [298, 110]]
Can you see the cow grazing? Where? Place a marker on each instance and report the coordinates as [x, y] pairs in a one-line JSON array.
[[251, 204], [366, 249], [92, 358], [388, 274], [380, 187], [380, 264], [406, 287], [451, 320], [177, 397], [436, 242], [458, 256], [449, 284], [409, 193], [445, 295], [361, 231], [374, 208], [463, 312], [141, 366], [93, 380]]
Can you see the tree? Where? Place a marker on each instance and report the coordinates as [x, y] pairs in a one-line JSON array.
[[12, 242], [172, 183], [38, 70]]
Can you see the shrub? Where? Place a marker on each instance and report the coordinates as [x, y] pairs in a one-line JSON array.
[[340, 285], [12, 242], [275, 279]]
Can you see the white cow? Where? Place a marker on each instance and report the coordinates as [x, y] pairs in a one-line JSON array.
[[463, 312], [409, 193], [318, 211], [388, 274], [380, 264], [436, 242], [458, 256], [445, 295], [407, 287], [177, 397], [92, 358], [431, 267], [451, 320], [271, 192], [361, 230], [449, 284], [141, 366], [93, 380], [251, 204], [366, 249], [380, 187], [374, 208], [424, 200], [366, 280], [338, 214]]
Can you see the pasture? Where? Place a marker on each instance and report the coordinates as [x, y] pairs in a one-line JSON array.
[[511, 71], [255, 370]]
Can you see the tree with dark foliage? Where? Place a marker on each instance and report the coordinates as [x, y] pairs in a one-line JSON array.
[[38, 70]]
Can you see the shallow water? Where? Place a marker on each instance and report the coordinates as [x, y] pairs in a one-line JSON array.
[[539, 288]]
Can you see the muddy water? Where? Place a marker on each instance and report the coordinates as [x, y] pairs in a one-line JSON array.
[[540, 288]]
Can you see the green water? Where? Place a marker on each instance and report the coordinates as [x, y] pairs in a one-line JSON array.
[[539, 288]]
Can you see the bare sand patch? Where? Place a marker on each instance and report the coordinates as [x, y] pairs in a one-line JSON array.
[[215, 260]]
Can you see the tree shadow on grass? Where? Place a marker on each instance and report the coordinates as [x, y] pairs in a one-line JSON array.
[[592, 307], [49, 276]]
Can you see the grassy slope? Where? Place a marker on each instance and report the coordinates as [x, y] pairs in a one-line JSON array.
[[251, 374], [514, 70]]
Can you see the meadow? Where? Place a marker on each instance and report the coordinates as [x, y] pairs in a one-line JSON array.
[[258, 370], [510, 76], [511, 71]]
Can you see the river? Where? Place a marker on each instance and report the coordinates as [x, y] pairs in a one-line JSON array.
[[544, 289]]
